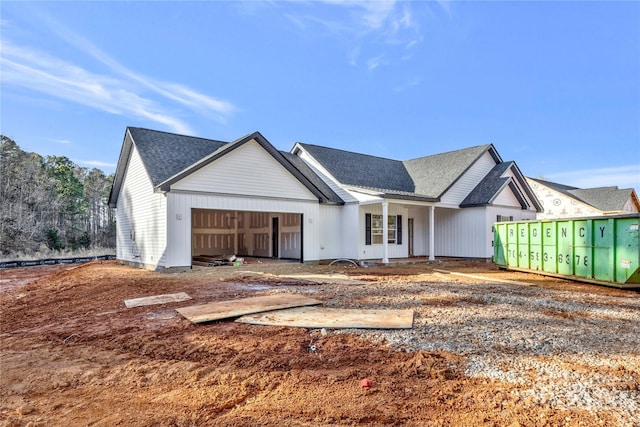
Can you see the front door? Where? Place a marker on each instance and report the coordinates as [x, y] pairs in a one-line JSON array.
[[275, 233]]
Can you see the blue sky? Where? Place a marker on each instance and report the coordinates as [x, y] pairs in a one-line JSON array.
[[553, 85]]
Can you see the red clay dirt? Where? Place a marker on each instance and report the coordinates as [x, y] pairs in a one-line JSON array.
[[72, 354]]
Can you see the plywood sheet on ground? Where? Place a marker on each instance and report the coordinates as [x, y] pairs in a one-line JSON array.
[[225, 309], [156, 299], [322, 317]]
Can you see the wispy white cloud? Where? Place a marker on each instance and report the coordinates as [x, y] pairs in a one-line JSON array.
[[117, 90], [627, 176], [97, 163], [61, 141], [375, 62], [412, 82], [371, 28]]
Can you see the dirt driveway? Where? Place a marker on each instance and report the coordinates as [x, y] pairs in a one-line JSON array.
[[543, 352]]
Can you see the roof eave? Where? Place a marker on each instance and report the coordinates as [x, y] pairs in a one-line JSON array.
[[494, 154], [262, 141], [121, 168]]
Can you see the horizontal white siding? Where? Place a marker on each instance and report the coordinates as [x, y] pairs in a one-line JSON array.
[[247, 170], [141, 221], [468, 181]]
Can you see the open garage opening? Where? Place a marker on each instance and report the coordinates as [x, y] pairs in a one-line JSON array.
[[224, 233]]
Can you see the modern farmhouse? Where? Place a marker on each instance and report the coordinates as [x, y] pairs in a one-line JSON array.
[[180, 196]]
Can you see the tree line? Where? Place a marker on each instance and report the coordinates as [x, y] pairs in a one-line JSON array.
[[51, 203]]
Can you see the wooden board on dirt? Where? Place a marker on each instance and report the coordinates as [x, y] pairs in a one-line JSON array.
[[322, 317], [234, 308], [156, 299]]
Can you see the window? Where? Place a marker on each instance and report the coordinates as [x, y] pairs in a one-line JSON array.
[[374, 230]]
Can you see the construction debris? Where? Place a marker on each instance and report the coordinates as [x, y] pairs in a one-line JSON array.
[[234, 308], [156, 299], [216, 260], [321, 317]]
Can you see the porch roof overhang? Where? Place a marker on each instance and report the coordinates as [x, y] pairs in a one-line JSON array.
[[381, 194]]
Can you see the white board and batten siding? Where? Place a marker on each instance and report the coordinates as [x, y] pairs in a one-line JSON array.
[[468, 181], [457, 233], [420, 216], [141, 231], [339, 232], [247, 179]]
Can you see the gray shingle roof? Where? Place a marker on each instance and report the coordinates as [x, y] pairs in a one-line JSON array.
[[489, 187], [558, 187], [606, 199], [362, 170], [166, 154], [425, 177], [305, 170], [169, 157], [433, 175]]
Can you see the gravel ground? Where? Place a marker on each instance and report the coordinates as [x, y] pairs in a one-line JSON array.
[[561, 348]]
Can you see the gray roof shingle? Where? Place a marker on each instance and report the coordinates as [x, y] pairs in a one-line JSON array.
[[489, 187], [166, 154], [433, 175], [606, 199], [362, 170], [306, 171], [169, 157]]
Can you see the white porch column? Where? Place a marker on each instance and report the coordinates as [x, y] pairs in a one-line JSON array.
[[385, 232], [432, 232]]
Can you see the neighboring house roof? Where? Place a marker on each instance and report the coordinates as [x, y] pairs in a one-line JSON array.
[[435, 174], [554, 185], [169, 157], [605, 199]]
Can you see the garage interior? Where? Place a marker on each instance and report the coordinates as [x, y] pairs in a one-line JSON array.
[[223, 233]]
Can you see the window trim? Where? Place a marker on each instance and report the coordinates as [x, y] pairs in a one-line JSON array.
[[372, 231]]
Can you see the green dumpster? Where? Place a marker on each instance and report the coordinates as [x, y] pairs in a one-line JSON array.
[[603, 250]]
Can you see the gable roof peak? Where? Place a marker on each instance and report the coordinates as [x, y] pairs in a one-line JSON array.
[[479, 148]]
